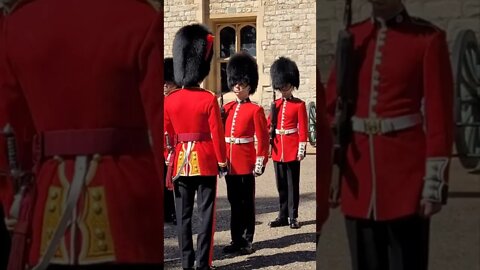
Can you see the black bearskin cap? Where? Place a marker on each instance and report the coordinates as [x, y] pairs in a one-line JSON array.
[[242, 68], [168, 69], [284, 71], [191, 60]]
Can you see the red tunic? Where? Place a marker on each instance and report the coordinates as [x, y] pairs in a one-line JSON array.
[[196, 110], [291, 115], [323, 157], [399, 63], [81, 72], [245, 120]]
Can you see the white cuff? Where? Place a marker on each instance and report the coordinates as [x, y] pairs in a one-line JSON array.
[[259, 165], [301, 149], [435, 187]]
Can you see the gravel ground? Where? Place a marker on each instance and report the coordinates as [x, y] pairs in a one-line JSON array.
[[276, 248]]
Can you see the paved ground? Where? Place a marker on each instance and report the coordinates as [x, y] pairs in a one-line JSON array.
[[455, 232], [277, 248], [455, 236]]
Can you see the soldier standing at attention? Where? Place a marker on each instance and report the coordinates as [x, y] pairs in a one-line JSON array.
[[398, 158], [290, 142], [244, 121], [168, 199], [92, 94], [192, 115]]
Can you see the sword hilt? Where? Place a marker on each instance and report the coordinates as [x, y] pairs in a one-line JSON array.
[[15, 171]]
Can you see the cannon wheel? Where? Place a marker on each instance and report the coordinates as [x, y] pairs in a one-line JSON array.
[[466, 68], [312, 131]]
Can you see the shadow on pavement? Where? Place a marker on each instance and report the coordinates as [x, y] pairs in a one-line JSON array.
[[465, 194], [279, 259], [285, 241], [277, 243], [264, 205]]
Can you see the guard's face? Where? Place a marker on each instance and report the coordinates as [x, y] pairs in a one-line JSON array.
[[241, 90], [286, 90], [168, 87]]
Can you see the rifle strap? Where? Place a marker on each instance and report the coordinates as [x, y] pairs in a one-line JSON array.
[[76, 187]]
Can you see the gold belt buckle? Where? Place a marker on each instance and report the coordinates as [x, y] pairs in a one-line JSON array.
[[281, 131], [372, 126]]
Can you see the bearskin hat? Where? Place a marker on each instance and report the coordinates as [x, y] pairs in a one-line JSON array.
[[168, 69], [284, 71], [242, 68], [192, 54]]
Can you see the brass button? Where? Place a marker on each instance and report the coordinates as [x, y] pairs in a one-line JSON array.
[[100, 234], [97, 208], [102, 246], [53, 194], [97, 196], [52, 207]]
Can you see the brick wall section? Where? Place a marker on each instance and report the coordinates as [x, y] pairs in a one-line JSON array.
[[218, 7], [290, 28], [177, 14], [451, 15]]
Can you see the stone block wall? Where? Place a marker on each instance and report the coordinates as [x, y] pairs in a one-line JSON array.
[[450, 15]]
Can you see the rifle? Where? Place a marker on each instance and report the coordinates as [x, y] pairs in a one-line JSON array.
[[22, 206], [222, 110], [345, 104], [273, 119]]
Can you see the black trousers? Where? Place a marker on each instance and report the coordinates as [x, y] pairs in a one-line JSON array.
[[185, 189], [168, 200], [400, 244], [288, 186], [5, 241], [107, 267], [241, 195]]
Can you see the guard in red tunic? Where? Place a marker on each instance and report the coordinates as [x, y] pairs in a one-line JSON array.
[[192, 117], [92, 92], [290, 141], [168, 199], [398, 159], [323, 147], [244, 121]]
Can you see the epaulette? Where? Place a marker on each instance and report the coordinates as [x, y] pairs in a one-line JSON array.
[[201, 89], [172, 91], [230, 103], [210, 91], [296, 99], [359, 23], [423, 22]]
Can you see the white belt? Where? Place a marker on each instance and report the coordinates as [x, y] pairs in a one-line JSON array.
[[385, 125], [239, 140], [286, 131]]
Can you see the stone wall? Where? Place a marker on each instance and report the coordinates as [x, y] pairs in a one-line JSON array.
[[236, 7], [290, 31], [284, 28], [177, 13], [450, 15]]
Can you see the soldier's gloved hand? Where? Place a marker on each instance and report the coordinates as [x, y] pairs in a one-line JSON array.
[[435, 187], [10, 223], [222, 169], [167, 160], [429, 208], [259, 168], [301, 151]]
